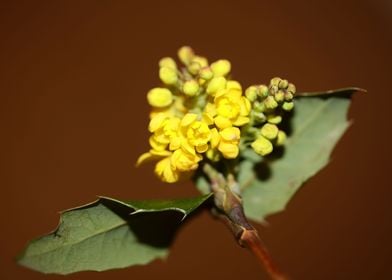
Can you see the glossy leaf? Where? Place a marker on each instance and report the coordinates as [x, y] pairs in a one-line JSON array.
[[315, 127], [109, 234]]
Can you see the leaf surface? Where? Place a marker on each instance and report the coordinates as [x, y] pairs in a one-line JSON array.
[[108, 234]]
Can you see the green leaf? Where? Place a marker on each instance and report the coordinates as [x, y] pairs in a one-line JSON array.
[[109, 234], [316, 126]]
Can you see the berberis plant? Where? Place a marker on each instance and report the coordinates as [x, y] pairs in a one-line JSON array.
[[248, 152]]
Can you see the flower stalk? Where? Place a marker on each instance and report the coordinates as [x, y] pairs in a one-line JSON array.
[[229, 209]]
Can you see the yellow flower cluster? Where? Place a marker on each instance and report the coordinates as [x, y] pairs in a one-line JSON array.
[[196, 115], [200, 114]]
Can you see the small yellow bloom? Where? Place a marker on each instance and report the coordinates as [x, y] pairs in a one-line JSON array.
[[228, 145], [183, 161], [159, 97], [165, 171], [198, 134], [231, 107]]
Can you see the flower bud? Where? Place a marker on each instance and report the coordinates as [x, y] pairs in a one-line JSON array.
[[291, 88], [194, 67], [233, 85], [259, 107], [283, 84], [263, 91], [269, 131], [216, 84], [288, 96], [251, 93], [206, 73], [288, 106], [191, 88], [201, 60], [259, 117], [159, 97], [221, 67], [185, 54], [168, 75], [275, 81], [281, 139], [274, 119], [167, 62], [270, 103], [273, 89], [279, 96], [262, 146]]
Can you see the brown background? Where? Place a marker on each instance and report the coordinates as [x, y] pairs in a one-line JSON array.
[[73, 79]]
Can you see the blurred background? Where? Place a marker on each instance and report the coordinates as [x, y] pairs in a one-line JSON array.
[[73, 118]]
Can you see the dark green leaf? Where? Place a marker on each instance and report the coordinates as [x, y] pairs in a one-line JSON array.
[[316, 126], [109, 234]]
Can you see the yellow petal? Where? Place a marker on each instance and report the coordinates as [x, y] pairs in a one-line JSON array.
[[202, 148], [222, 122], [143, 158], [215, 138], [156, 122], [240, 121], [228, 150], [230, 134], [188, 119]]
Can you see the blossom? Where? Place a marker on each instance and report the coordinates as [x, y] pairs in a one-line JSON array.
[[200, 114]]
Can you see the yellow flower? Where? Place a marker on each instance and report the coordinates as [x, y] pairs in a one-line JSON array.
[[231, 108], [183, 161], [228, 145], [198, 135], [165, 171]]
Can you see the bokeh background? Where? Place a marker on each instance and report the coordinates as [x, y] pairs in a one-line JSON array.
[[73, 79]]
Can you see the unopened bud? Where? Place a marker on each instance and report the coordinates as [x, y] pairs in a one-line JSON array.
[[259, 117], [270, 103], [159, 97], [291, 88], [191, 88], [185, 54], [273, 89], [262, 146], [281, 139], [275, 81], [168, 75], [283, 84], [221, 67], [206, 73], [274, 119], [232, 84], [201, 60], [263, 91], [279, 96], [216, 84], [194, 67], [259, 107], [269, 131], [288, 96], [167, 62], [288, 106], [251, 93]]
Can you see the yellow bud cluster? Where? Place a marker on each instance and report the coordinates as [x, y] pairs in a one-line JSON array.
[[198, 114]]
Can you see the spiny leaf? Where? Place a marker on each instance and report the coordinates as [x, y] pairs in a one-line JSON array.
[[316, 126], [109, 234]]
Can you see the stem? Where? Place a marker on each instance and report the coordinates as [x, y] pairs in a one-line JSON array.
[[229, 210]]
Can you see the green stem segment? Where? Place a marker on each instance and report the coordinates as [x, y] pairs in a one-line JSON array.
[[229, 209]]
